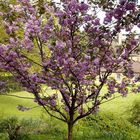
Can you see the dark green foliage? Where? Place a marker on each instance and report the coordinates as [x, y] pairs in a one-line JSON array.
[[135, 113], [108, 127], [99, 127], [55, 129], [15, 129], [11, 128]]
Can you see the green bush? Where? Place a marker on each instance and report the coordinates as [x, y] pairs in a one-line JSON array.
[[98, 127], [135, 113], [11, 127], [25, 129], [54, 129], [106, 127]]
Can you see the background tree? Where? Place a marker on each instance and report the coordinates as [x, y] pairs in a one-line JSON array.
[[81, 56]]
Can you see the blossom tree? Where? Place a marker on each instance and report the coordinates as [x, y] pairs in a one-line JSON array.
[[66, 46]]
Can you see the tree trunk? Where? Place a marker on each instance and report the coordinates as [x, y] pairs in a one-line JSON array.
[[70, 131]]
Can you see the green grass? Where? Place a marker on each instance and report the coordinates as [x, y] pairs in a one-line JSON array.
[[8, 106], [121, 105], [107, 127]]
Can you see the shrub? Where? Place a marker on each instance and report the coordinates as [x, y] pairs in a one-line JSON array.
[[54, 129], [135, 113], [25, 129], [106, 127], [99, 127], [11, 127]]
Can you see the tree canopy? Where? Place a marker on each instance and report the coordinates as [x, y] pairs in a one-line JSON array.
[[81, 56]]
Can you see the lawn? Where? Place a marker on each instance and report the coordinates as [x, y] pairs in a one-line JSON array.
[[8, 104], [120, 106]]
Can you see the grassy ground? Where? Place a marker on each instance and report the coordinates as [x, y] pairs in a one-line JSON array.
[[120, 106], [8, 105], [106, 127]]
